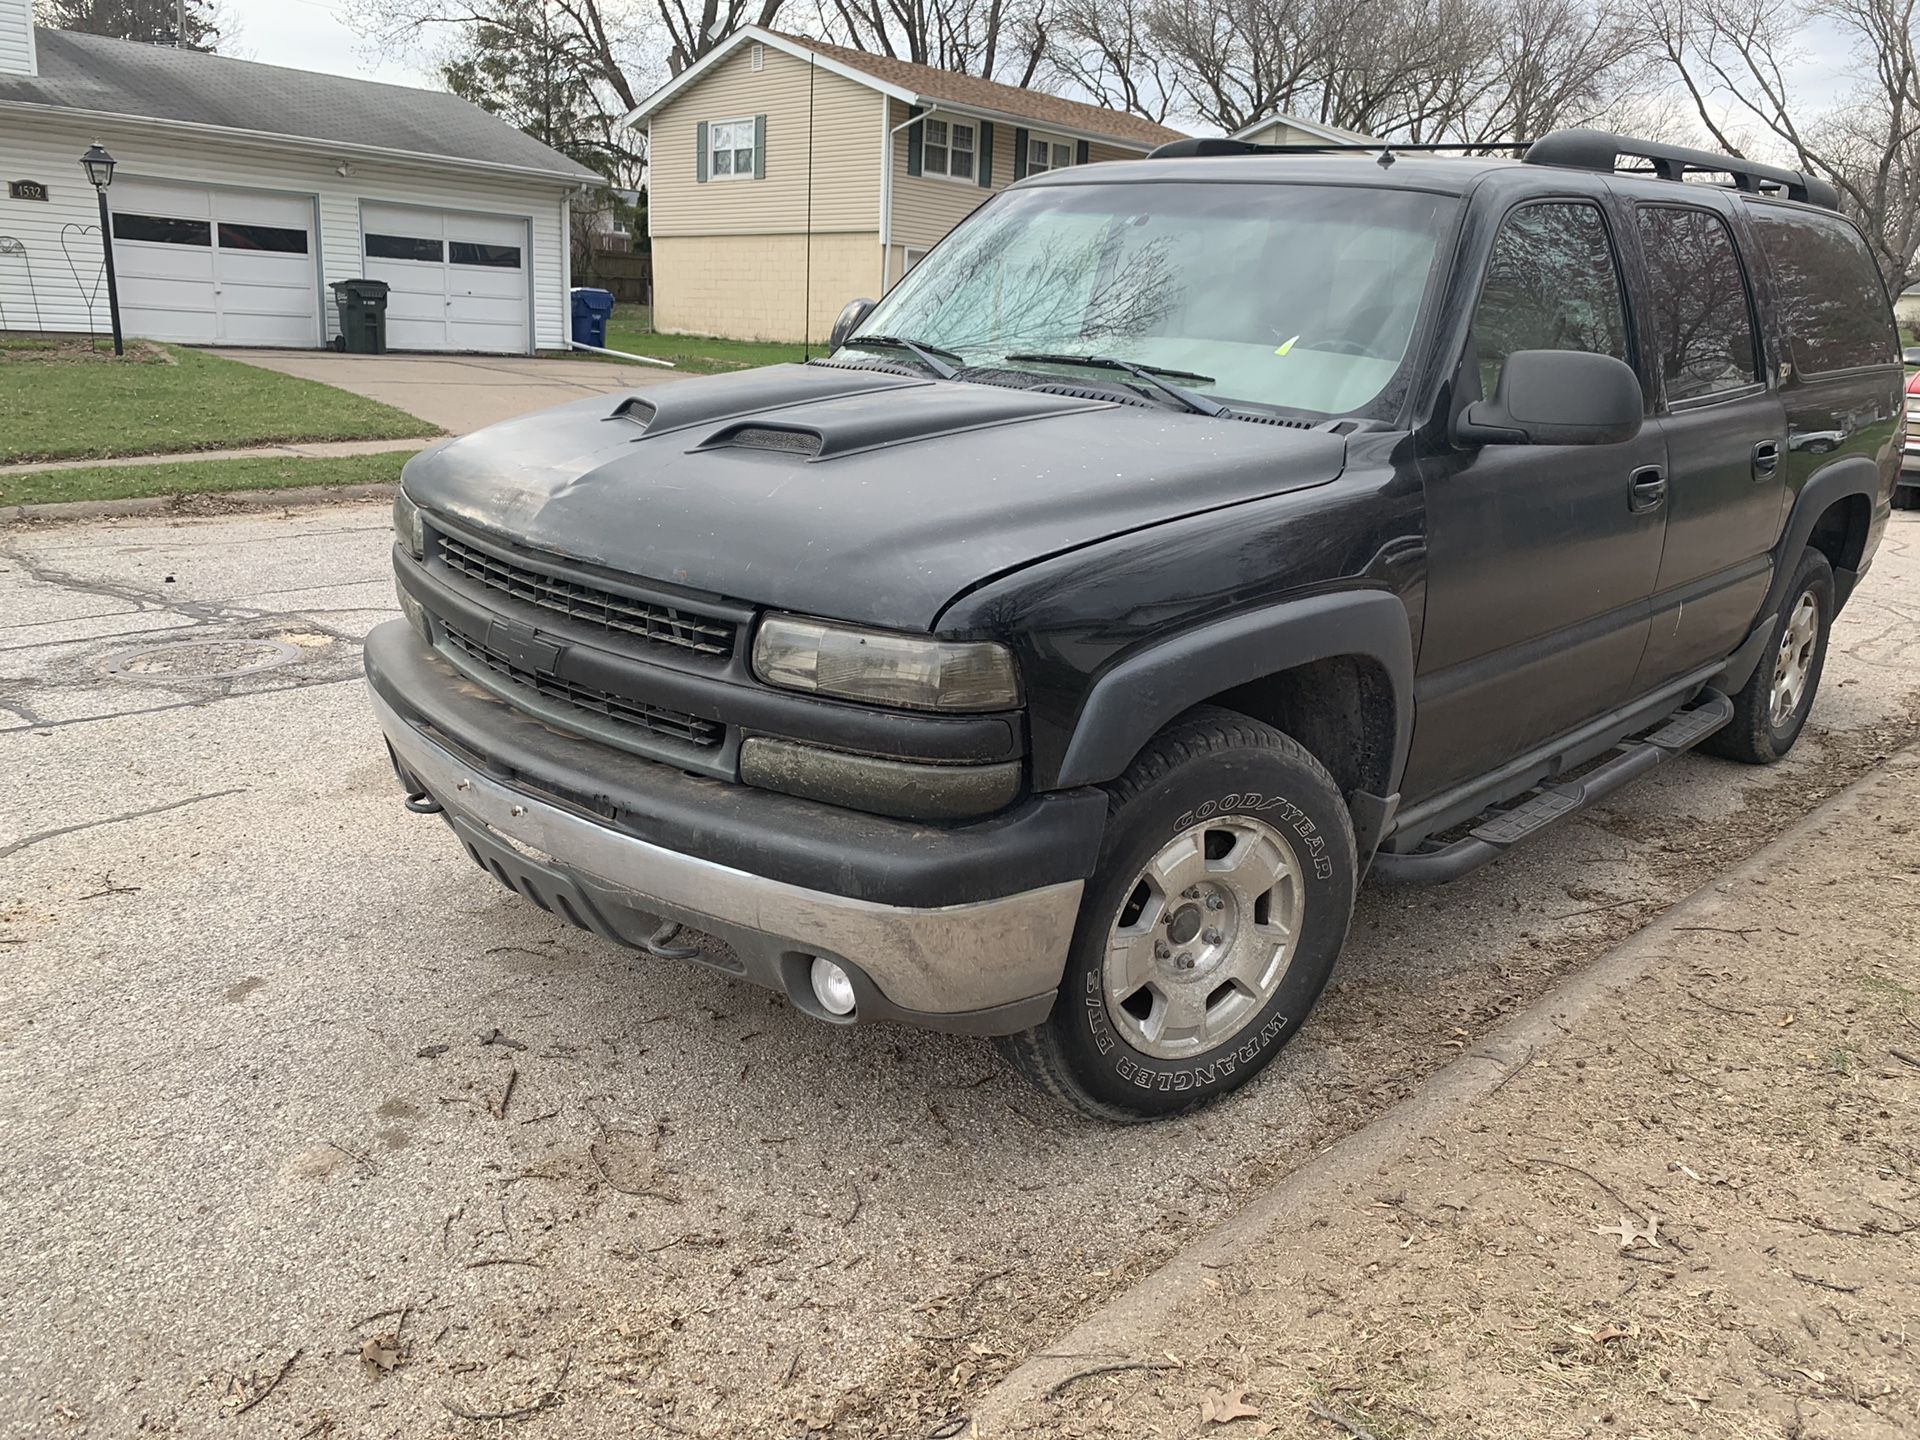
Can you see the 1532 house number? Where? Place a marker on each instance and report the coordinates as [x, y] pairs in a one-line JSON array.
[[26, 190]]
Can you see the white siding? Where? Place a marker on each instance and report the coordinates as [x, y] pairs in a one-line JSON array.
[[16, 38], [48, 148]]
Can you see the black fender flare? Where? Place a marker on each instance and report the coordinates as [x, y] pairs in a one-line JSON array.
[[1855, 475], [1137, 697]]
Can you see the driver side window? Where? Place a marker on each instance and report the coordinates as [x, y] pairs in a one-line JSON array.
[[1552, 284]]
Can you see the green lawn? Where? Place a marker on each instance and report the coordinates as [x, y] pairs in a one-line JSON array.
[[198, 477], [66, 401], [631, 329]]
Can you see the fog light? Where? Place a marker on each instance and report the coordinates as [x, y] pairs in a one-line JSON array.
[[416, 614], [832, 986]]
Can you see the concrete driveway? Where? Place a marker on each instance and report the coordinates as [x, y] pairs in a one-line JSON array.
[[311, 1128], [459, 393]]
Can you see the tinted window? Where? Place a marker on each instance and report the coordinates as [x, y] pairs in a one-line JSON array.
[[161, 230], [1551, 285], [263, 237], [467, 252], [1698, 295], [1830, 293], [404, 247]]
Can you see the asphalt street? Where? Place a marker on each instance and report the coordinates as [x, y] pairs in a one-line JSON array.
[[312, 1129]]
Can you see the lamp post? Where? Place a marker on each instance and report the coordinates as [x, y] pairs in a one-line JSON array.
[[99, 167]]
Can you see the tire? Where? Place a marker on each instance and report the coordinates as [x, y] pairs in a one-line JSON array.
[[1759, 733], [1233, 802]]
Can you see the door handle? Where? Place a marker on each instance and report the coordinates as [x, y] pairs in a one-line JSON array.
[[1766, 458], [1647, 488]]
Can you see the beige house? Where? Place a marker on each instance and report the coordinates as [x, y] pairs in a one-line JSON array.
[[1294, 130], [769, 202]]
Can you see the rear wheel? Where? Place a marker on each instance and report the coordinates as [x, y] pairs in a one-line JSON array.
[[1223, 894], [1772, 708]]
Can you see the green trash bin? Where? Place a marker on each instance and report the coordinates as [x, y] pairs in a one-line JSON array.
[[363, 316]]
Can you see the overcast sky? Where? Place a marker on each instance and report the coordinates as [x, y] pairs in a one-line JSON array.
[[310, 35]]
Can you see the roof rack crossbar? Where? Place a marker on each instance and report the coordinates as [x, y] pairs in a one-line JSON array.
[[1603, 151], [1221, 145]]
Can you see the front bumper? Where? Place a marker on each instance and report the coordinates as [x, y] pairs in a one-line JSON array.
[[988, 964]]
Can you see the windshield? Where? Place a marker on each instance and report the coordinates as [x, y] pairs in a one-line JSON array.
[[1298, 297]]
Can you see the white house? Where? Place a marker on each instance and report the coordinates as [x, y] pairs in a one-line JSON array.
[[243, 191]]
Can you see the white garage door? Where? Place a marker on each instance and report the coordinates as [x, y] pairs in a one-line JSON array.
[[208, 266], [459, 281]]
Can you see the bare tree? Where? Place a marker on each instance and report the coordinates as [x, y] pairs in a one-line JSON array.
[[1735, 60]]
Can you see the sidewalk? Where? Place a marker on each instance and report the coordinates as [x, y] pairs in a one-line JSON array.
[[305, 450], [1679, 1197]]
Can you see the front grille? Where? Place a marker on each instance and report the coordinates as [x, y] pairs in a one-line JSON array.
[[651, 718], [589, 604]]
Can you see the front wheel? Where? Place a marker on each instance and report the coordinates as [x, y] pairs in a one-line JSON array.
[[1223, 894], [1770, 711]]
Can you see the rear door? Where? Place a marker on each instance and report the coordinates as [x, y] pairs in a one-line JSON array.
[[1725, 431], [1541, 558]]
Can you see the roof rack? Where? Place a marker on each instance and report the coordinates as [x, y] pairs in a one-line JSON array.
[[1572, 149], [1599, 150], [1221, 145]]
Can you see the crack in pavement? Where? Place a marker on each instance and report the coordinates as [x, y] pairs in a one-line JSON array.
[[11, 702], [15, 847]]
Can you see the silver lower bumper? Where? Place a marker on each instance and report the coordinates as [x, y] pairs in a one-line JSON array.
[[988, 966]]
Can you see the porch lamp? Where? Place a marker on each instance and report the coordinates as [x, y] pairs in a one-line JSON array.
[[99, 167]]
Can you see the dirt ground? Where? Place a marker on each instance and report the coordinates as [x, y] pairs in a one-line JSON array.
[[313, 1130], [1698, 1213]]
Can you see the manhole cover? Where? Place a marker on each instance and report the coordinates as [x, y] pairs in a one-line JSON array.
[[204, 660]]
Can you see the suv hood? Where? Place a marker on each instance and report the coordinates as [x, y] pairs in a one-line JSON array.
[[848, 493]]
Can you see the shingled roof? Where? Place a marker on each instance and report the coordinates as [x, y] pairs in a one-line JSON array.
[[930, 83], [92, 74], [926, 86]]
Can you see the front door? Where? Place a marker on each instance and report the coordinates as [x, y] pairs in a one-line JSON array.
[[1726, 434], [1541, 558]]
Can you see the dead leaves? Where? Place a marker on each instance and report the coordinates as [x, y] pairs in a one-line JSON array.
[[1631, 1234], [1219, 1407], [379, 1354]]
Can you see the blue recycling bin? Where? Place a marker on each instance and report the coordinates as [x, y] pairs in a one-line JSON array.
[[591, 311]]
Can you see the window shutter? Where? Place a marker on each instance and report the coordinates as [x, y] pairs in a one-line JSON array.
[[1080, 153], [700, 168], [759, 147], [1019, 154], [983, 167], [913, 141]]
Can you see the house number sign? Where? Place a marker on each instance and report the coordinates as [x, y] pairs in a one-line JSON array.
[[26, 190]]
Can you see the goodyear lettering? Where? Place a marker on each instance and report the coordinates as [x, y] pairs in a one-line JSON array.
[[1252, 802]]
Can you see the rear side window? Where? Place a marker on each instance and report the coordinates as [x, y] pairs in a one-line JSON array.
[[1830, 292], [1698, 295], [1552, 284]]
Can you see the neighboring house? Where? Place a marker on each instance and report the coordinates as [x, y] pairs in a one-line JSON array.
[[1906, 310], [769, 204], [243, 190], [1293, 130]]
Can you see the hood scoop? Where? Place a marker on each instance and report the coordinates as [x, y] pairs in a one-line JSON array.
[[682, 405], [856, 424]]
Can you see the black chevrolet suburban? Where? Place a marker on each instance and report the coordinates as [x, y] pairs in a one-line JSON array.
[[1178, 543]]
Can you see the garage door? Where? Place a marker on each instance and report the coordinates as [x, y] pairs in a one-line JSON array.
[[209, 266], [459, 281]]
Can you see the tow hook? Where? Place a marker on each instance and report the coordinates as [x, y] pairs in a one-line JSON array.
[[421, 803], [660, 944]]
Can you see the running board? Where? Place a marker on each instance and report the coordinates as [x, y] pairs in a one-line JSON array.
[[1498, 831]]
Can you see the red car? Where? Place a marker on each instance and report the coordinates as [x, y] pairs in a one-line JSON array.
[[1906, 494]]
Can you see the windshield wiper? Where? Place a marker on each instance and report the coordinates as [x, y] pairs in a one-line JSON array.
[[931, 356], [1146, 374]]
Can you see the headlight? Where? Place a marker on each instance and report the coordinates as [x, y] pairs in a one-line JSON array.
[[406, 525], [911, 671]]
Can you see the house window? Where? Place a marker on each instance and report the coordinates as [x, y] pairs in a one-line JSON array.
[[469, 252], [1044, 154], [263, 237], [730, 150], [947, 149]]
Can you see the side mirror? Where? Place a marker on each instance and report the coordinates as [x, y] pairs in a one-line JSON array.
[[1557, 397], [848, 321]]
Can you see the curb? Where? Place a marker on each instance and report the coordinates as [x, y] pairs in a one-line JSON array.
[[1124, 1325], [220, 502]]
